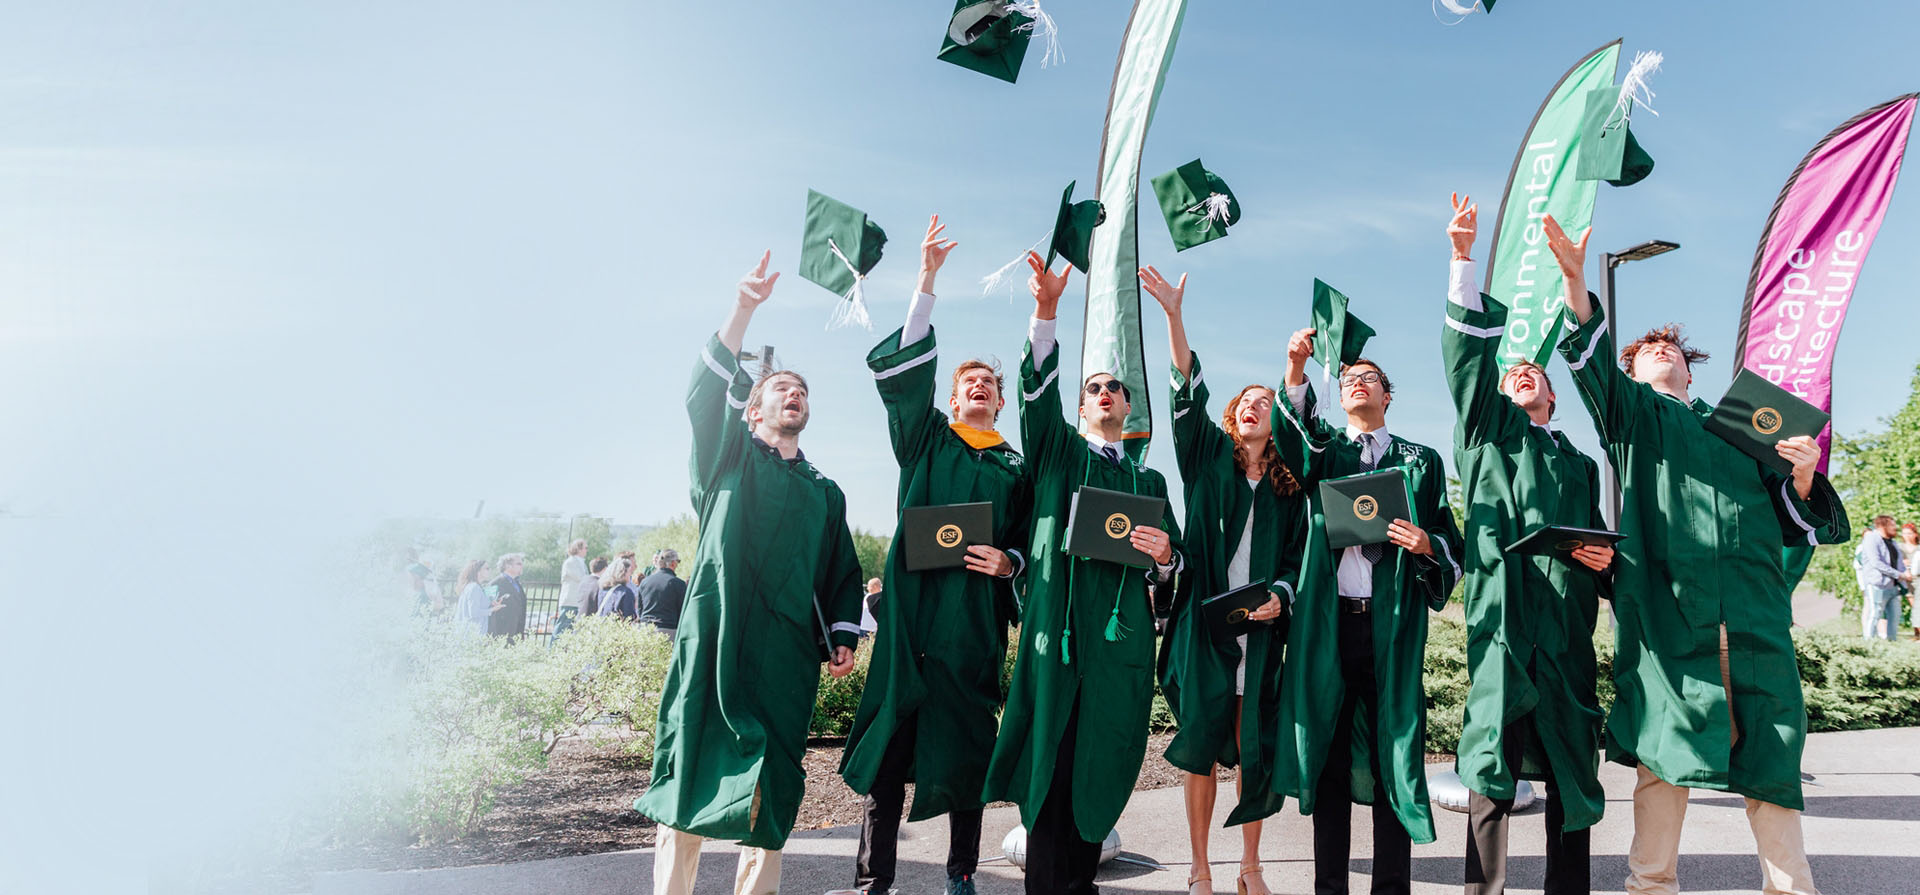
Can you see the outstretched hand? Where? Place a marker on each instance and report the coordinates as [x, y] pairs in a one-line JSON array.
[[933, 253], [757, 285], [1169, 295], [1572, 257], [1464, 226], [1045, 286], [1299, 348]]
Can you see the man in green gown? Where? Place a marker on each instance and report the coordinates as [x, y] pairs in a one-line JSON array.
[[1075, 728], [1353, 714], [1707, 689], [1532, 712], [775, 580], [933, 686], [1246, 522]]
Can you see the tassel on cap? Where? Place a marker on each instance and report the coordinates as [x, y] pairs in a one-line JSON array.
[[1041, 27], [853, 309]]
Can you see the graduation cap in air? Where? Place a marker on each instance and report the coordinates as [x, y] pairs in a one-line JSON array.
[[1338, 336], [1073, 229], [989, 37], [1196, 203], [838, 247], [1608, 150]]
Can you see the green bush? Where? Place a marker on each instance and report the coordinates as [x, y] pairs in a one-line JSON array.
[[839, 698]]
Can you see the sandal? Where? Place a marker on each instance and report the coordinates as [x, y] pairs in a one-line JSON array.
[[1259, 876], [1195, 887]]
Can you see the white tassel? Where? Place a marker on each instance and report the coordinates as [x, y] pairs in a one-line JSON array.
[[1003, 277], [1041, 27], [1215, 207], [1455, 7], [1634, 87], [852, 309]]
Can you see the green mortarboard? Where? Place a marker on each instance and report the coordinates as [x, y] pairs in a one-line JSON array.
[[1196, 203], [1608, 150], [834, 225], [988, 38], [1073, 229], [1335, 328]]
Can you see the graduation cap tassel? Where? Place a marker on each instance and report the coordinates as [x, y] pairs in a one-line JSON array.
[[1003, 277], [1042, 27], [1215, 208], [1116, 630], [853, 309], [1634, 88]]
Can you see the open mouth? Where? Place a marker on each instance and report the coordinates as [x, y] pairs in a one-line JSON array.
[[1106, 403], [1250, 419], [979, 395]]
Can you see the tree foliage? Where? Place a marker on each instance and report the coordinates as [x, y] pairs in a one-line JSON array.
[[1875, 472]]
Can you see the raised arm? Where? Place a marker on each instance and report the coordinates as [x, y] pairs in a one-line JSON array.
[[1044, 433], [1470, 342], [1197, 442], [1306, 443], [1615, 401], [718, 393], [904, 362], [1810, 510]]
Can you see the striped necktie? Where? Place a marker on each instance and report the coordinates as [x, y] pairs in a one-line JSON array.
[[1369, 461]]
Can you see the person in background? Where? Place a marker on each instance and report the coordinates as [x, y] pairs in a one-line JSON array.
[[419, 579], [590, 587], [1909, 547], [1881, 574], [573, 570], [510, 620], [870, 607], [661, 592], [617, 593], [475, 607]]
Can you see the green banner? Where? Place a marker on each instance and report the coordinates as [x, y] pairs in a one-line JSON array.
[[1521, 272], [1113, 343]]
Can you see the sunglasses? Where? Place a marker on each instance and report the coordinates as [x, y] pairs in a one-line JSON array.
[[1111, 386]]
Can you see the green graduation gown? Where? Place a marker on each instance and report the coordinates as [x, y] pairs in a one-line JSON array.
[[942, 637], [1704, 524], [1064, 656], [1197, 674], [1405, 587], [774, 564], [1529, 618]]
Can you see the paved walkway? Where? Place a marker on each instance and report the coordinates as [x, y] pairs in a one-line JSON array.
[[1862, 826]]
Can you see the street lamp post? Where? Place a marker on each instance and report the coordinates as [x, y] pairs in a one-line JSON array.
[[1651, 248]]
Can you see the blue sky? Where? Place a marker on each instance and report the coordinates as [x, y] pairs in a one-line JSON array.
[[428, 254], [271, 272]]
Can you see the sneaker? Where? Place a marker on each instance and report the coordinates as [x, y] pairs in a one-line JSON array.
[[960, 885]]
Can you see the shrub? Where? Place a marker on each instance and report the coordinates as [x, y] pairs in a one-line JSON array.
[[839, 698]]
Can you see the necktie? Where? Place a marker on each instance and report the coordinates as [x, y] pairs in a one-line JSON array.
[[1111, 453], [1369, 461]]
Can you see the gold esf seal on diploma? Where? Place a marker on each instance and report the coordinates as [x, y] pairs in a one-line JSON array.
[[1118, 525], [948, 536], [1569, 545], [1237, 616], [1365, 508], [1766, 421]]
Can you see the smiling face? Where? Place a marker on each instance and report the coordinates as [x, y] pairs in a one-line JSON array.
[[976, 396], [1103, 401], [1363, 388], [1527, 385], [779, 403], [1250, 416]]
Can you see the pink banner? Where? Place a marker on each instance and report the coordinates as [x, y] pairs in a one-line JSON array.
[[1812, 250]]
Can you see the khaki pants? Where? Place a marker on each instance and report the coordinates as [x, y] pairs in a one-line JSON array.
[[676, 861], [1659, 809]]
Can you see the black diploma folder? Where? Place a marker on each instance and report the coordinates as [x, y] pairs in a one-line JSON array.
[[1358, 508], [1226, 614], [1100, 520], [937, 537], [1756, 414], [1561, 540]]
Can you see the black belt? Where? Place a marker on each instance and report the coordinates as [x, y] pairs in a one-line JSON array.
[[1355, 606]]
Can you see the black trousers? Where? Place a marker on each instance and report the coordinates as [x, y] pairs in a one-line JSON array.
[[1333, 807], [880, 828], [1059, 862], [1568, 854]]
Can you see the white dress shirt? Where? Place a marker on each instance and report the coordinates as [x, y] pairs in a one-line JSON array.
[[1355, 574]]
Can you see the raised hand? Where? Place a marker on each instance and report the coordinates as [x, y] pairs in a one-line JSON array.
[[933, 253], [1572, 257], [1299, 348], [1464, 226], [1804, 453], [1046, 287], [757, 285], [1169, 295]]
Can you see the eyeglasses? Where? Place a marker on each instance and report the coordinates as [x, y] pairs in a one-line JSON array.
[[1110, 386], [1353, 379]]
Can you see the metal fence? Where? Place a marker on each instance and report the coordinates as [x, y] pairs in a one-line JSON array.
[[543, 601]]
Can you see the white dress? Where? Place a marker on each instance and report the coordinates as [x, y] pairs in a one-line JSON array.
[[1239, 572]]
